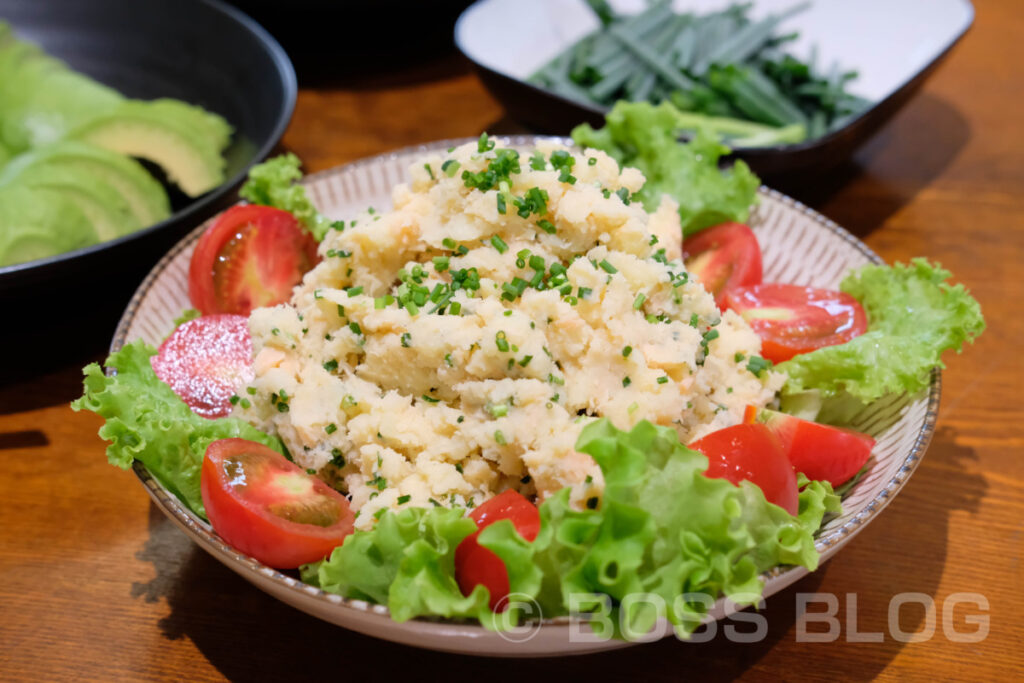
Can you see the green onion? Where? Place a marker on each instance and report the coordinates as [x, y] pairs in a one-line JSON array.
[[499, 244], [663, 380], [626, 350], [638, 301], [607, 267]]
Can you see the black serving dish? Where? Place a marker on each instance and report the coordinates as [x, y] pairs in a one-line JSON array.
[[200, 51]]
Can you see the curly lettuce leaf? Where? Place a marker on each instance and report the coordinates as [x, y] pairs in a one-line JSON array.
[[146, 421], [646, 137], [662, 528], [407, 562], [914, 315], [273, 183]]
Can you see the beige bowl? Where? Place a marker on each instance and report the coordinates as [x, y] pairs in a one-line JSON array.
[[799, 246]]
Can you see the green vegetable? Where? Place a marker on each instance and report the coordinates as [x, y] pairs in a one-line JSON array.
[[407, 562], [146, 421], [646, 137], [661, 528], [272, 183], [726, 71], [913, 316]]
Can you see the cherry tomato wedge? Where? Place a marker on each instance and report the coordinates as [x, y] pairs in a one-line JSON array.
[[206, 361], [251, 256], [269, 508], [791, 319], [821, 452], [753, 453], [723, 258], [475, 564]]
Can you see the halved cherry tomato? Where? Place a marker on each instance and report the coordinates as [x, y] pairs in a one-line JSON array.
[[753, 453], [724, 257], [269, 508], [791, 319], [206, 361], [833, 454], [475, 564], [251, 256]]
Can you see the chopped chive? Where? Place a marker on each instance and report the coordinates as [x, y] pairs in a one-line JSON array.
[[638, 301], [430, 399], [430, 171], [501, 341], [499, 244], [354, 326], [607, 267], [440, 263], [331, 428], [626, 381], [525, 361], [450, 167], [354, 291], [499, 410], [663, 380], [547, 226], [331, 365], [499, 438], [626, 350], [406, 339], [592, 161], [402, 500]]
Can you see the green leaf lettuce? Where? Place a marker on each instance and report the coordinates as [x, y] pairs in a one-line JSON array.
[[146, 421], [273, 183], [914, 315], [662, 528], [646, 137]]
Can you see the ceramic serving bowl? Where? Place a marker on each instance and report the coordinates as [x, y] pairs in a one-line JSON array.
[[799, 246]]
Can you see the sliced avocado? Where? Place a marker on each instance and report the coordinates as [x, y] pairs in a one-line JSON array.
[[162, 135], [36, 223], [41, 99], [104, 206], [213, 127], [145, 196]]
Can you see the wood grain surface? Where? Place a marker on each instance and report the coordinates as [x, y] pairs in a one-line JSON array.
[[96, 585]]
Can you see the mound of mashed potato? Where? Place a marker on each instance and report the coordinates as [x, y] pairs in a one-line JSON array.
[[455, 346]]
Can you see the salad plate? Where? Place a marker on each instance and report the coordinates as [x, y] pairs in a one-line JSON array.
[[799, 246]]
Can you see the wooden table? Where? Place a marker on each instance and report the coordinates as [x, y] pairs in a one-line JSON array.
[[96, 584]]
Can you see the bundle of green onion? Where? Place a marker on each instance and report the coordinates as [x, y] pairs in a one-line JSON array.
[[727, 73]]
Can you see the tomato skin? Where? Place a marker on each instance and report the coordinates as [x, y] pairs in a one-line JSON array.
[[251, 256], [753, 453], [791, 319], [723, 258], [475, 564], [821, 452], [206, 361], [242, 514]]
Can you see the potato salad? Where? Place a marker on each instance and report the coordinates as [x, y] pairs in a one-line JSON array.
[[455, 346]]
